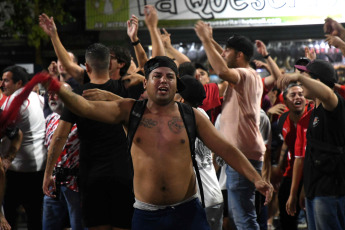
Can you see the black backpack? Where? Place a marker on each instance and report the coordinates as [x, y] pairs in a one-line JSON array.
[[188, 118]]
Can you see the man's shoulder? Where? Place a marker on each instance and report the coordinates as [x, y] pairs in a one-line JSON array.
[[52, 116], [248, 73]]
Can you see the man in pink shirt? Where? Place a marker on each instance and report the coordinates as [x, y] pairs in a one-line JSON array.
[[240, 115]]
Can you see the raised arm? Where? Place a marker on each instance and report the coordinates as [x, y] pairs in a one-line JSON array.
[[179, 57], [48, 26], [217, 62], [55, 148], [151, 20], [232, 156], [132, 32], [316, 89], [216, 45], [272, 65]]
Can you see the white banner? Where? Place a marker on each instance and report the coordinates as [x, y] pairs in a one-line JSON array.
[[109, 14]]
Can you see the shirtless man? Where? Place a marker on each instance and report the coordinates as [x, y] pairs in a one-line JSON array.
[[164, 180]]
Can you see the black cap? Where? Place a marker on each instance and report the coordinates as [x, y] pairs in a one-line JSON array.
[[194, 92], [200, 66], [320, 69], [163, 61], [302, 61], [241, 43]]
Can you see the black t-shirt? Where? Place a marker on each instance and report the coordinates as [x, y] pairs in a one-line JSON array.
[[326, 129], [103, 147]]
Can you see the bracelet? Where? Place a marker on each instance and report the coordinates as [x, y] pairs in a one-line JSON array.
[[267, 56], [136, 42]]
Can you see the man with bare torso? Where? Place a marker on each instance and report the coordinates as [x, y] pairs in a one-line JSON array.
[[164, 181]]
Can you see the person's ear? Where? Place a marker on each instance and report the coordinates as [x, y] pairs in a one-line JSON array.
[[145, 83], [19, 84], [239, 54], [88, 68], [120, 65]]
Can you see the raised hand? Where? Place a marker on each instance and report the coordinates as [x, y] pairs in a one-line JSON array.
[[334, 28], [261, 48], [260, 64], [203, 31], [284, 81], [165, 37], [132, 28], [310, 53], [151, 16], [47, 24]]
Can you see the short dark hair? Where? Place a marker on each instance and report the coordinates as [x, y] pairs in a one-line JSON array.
[[18, 73], [97, 56], [123, 56], [286, 90], [186, 68]]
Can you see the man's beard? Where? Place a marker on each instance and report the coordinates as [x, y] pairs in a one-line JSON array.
[[56, 107]]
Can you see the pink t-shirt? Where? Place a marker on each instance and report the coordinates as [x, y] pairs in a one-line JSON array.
[[241, 114]]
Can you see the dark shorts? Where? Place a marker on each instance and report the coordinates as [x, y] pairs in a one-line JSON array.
[[107, 201], [189, 215]]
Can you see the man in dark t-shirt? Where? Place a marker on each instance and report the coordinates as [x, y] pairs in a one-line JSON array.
[[324, 176], [105, 167]]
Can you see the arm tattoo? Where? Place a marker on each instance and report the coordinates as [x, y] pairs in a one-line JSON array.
[[148, 123], [176, 125]]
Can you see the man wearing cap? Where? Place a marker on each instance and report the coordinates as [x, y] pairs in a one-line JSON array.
[[240, 116], [324, 180], [164, 180]]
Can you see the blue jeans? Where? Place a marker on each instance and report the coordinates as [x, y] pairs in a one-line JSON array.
[[189, 215], [56, 212], [241, 198], [326, 213]]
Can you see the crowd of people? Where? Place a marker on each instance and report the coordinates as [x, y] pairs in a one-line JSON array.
[[151, 143]]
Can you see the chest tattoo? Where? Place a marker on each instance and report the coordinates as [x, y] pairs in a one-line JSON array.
[[176, 125], [148, 123]]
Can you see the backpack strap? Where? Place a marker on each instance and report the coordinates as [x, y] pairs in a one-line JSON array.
[[281, 122], [188, 118], [135, 116]]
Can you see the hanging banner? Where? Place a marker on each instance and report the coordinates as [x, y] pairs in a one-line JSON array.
[[113, 14]]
